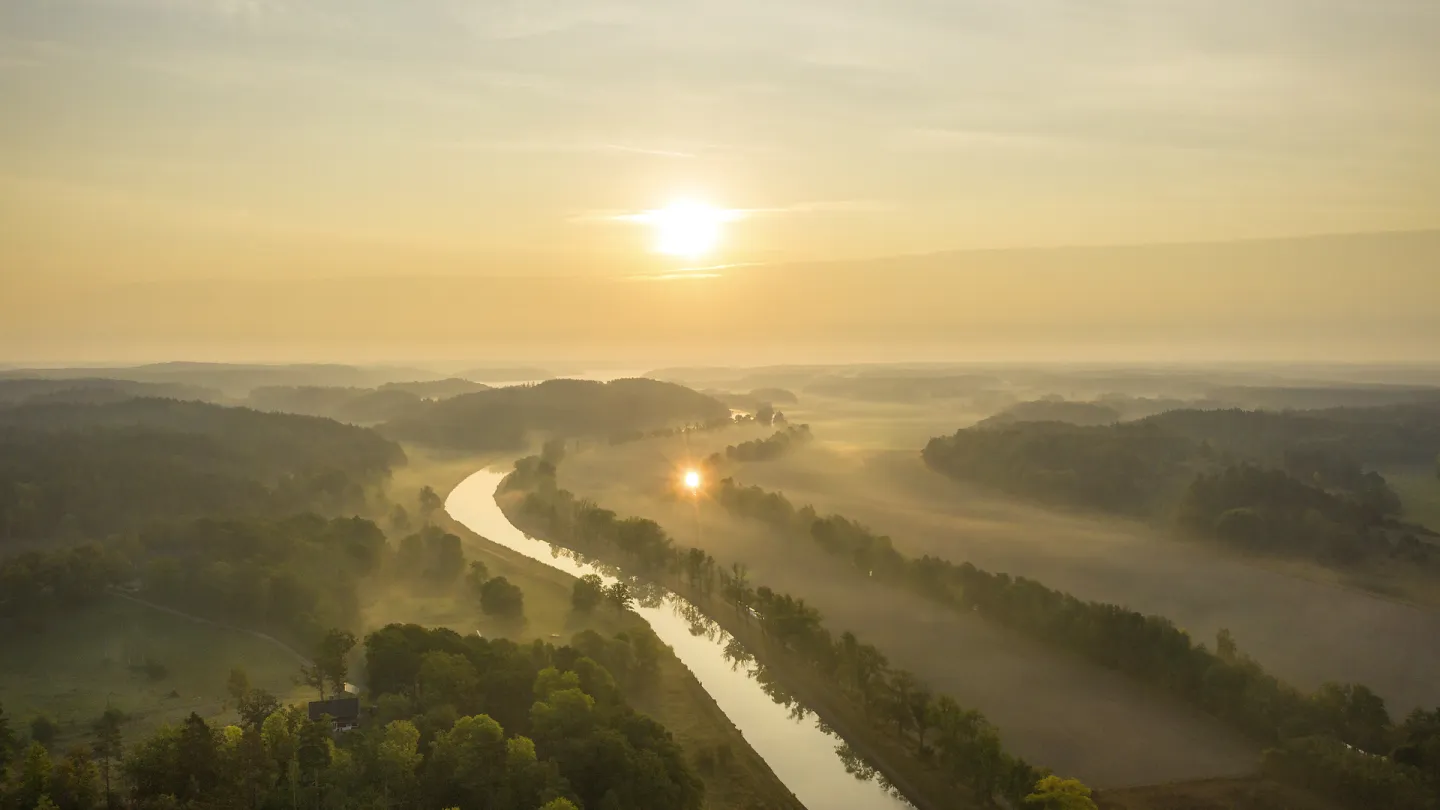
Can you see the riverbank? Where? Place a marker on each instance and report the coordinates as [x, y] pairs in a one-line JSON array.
[[735, 776], [919, 784]]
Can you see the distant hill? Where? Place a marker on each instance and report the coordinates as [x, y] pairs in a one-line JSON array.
[[96, 390], [505, 418], [360, 406], [1394, 434], [1054, 410], [234, 379], [80, 471], [489, 374], [437, 389]]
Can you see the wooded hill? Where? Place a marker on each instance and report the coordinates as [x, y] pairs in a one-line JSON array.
[[507, 418], [91, 470]]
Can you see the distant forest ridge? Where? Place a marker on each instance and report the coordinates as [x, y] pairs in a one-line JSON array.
[[1294, 481], [504, 418], [80, 470]]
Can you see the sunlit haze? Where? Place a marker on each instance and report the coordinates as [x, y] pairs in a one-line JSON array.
[[336, 180]]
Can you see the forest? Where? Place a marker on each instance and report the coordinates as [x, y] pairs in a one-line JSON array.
[[452, 722], [503, 418], [276, 523], [94, 470], [361, 406], [1291, 482]]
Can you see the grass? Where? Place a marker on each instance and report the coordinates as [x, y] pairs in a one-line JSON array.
[[1419, 492], [1255, 793], [79, 662]]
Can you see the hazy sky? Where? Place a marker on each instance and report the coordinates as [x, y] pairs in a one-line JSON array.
[[145, 140], [159, 137]]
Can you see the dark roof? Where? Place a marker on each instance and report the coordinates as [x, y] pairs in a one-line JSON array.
[[343, 709]]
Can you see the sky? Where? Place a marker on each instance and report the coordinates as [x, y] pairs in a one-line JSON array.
[[184, 142]]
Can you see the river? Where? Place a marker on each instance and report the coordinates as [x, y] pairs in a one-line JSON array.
[[809, 759]]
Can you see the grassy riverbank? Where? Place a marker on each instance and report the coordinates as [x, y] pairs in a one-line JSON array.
[[921, 784], [739, 778]]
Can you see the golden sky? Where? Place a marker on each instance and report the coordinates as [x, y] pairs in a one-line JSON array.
[[186, 141]]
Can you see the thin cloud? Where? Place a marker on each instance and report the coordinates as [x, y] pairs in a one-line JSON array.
[[948, 139], [567, 148], [809, 207], [637, 150]]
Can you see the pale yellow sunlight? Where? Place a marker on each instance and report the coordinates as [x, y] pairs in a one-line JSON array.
[[692, 480], [687, 228]]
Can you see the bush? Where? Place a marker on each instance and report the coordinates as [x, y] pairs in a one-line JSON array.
[[43, 730], [500, 598], [588, 593]]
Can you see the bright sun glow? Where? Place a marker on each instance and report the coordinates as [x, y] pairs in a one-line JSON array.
[[687, 228], [692, 480]]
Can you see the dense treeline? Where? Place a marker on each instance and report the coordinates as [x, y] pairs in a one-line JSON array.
[[767, 449], [272, 443], [359, 405], [1224, 682], [362, 406], [36, 583], [232, 379], [1119, 468], [89, 471], [961, 743], [1408, 433], [95, 390], [1055, 410], [293, 576], [452, 722], [1260, 509], [1275, 482], [505, 418]]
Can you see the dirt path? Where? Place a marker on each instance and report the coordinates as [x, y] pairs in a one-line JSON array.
[[291, 651]]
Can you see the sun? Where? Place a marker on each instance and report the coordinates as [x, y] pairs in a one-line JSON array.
[[691, 480], [687, 228]]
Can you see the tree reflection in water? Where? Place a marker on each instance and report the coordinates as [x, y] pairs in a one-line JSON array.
[[650, 595]]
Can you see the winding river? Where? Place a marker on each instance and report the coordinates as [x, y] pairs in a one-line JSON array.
[[812, 762]]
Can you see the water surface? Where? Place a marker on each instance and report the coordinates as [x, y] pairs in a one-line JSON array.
[[813, 762]]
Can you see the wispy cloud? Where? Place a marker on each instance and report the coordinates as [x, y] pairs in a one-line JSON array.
[[638, 150], [732, 214], [825, 207], [543, 146], [925, 138]]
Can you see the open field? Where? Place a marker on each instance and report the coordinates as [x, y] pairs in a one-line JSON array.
[[883, 425], [1051, 708], [1252, 793], [81, 661], [1305, 630], [1419, 491]]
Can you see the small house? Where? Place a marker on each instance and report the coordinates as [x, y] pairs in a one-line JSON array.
[[344, 712]]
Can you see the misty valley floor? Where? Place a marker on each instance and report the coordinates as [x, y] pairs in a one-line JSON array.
[[1305, 631], [1051, 708]]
